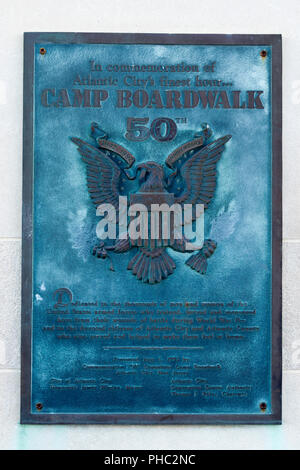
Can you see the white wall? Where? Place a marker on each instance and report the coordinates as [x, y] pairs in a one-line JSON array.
[[164, 16]]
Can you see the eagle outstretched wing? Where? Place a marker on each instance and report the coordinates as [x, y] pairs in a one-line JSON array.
[[199, 174], [103, 174]]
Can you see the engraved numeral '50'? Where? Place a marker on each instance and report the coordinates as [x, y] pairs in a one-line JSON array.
[[162, 129]]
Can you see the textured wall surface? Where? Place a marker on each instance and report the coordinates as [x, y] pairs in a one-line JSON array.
[[165, 16]]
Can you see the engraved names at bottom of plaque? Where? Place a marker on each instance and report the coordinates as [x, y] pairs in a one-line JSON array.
[[183, 379]]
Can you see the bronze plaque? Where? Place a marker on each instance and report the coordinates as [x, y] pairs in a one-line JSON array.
[[151, 229]]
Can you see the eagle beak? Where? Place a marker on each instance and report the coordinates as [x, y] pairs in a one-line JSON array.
[[143, 173]]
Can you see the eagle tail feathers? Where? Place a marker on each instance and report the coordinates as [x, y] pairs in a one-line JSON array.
[[151, 266]]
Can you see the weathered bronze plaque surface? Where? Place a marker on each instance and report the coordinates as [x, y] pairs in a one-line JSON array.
[[123, 322]]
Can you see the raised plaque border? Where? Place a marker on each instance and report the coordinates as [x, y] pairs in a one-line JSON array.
[[27, 417]]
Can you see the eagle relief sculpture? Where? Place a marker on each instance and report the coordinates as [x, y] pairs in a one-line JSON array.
[[187, 179]]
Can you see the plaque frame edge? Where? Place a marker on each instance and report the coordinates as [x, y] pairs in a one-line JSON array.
[[273, 40]]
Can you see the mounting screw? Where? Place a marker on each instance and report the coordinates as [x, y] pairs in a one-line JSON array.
[[263, 406], [263, 53], [42, 51], [39, 406]]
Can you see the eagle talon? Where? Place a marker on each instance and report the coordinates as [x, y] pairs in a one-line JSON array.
[[99, 251], [198, 261]]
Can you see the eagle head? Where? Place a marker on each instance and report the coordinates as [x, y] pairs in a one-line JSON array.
[[151, 177]]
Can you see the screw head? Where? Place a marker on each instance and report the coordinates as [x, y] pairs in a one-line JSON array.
[[263, 406], [39, 406], [42, 51]]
